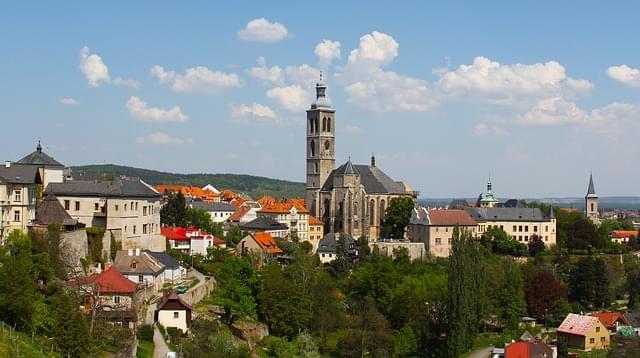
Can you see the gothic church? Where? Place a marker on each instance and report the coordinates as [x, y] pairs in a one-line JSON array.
[[351, 198]]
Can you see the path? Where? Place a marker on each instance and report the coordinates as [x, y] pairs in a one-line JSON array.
[[481, 353], [160, 348]]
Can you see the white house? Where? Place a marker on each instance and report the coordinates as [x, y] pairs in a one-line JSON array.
[[172, 311], [18, 188], [219, 212], [140, 267]]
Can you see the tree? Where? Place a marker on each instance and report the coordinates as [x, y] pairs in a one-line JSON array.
[[234, 235], [465, 281], [199, 218], [589, 283], [632, 271], [582, 235], [397, 217], [174, 211], [70, 328], [536, 245], [543, 291], [405, 343], [512, 298], [500, 243], [560, 311]]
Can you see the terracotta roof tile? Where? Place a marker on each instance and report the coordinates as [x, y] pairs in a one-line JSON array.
[[314, 221], [283, 208], [112, 281], [577, 324], [618, 234], [450, 218], [609, 318], [266, 241], [239, 214]]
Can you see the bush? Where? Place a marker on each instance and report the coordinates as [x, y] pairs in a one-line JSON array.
[[162, 330], [145, 332]]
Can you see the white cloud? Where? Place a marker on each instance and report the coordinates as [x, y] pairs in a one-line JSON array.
[[139, 109], [69, 101], [262, 30], [625, 75], [351, 129], [197, 79], [372, 88], [488, 130], [510, 84], [552, 111], [259, 112], [293, 98], [327, 51], [126, 82], [303, 75], [160, 138], [265, 74], [94, 70]]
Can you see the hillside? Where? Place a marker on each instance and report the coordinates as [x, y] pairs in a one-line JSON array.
[[254, 186]]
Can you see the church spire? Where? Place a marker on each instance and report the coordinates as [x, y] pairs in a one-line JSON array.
[[39, 147], [322, 101], [591, 191]]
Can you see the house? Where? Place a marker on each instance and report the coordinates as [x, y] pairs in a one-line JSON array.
[[611, 320], [435, 228], [243, 214], [328, 246], [528, 350], [218, 211], [261, 243], [140, 267], [622, 236], [266, 200], [128, 209], [291, 213], [18, 192], [190, 193], [211, 188], [265, 224], [633, 320], [172, 269], [583, 332], [172, 311], [51, 171], [316, 231], [190, 240], [519, 223], [112, 296]]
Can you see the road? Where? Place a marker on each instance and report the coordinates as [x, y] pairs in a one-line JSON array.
[[481, 353], [160, 348]]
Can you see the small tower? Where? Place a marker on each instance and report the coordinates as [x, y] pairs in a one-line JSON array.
[[591, 201], [321, 158], [488, 200]]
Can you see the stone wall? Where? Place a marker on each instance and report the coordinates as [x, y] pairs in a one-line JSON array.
[[151, 242], [74, 245], [416, 250]]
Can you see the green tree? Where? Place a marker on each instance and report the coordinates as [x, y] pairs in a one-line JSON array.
[[405, 343], [199, 218], [234, 235], [174, 212], [500, 243], [466, 284], [512, 296], [589, 283], [536, 245], [397, 217], [70, 330]]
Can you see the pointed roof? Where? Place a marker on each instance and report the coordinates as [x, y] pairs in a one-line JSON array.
[[50, 211], [347, 169], [112, 281], [322, 101], [591, 191], [38, 157], [577, 324], [171, 301]]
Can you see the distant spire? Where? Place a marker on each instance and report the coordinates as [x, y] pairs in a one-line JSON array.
[[552, 215], [39, 147], [591, 190], [373, 160], [322, 101]]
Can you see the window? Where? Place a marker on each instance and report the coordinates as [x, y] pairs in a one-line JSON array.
[[117, 207], [597, 329], [520, 228], [16, 215], [535, 229], [134, 229], [144, 228], [437, 229], [526, 228], [329, 130], [125, 207], [515, 228], [134, 264], [602, 339], [438, 241], [77, 206], [446, 229], [17, 195], [116, 300], [546, 228], [592, 340], [125, 229], [176, 315], [312, 148], [501, 227], [96, 206], [140, 278], [144, 211], [67, 204]]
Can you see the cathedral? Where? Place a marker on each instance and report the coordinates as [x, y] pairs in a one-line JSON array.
[[351, 198]]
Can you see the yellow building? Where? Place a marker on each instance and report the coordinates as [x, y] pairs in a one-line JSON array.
[[18, 194], [519, 223], [316, 231], [435, 228], [583, 332]]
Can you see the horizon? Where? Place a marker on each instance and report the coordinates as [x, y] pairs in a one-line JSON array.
[[442, 108]]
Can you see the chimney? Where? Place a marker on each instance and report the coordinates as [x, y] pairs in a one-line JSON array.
[[137, 252], [130, 252], [7, 164], [373, 160], [99, 269]]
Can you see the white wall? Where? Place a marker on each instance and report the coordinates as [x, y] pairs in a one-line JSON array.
[[166, 318]]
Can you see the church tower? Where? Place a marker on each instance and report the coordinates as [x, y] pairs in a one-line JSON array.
[[321, 139], [591, 201]]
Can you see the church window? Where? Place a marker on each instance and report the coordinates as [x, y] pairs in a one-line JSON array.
[[591, 206], [313, 148], [324, 124], [315, 165], [372, 209], [355, 208], [382, 208], [327, 145], [329, 128]]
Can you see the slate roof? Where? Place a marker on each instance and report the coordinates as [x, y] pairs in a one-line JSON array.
[[167, 260], [263, 224], [374, 180], [213, 206], [40, 158], [50, 211], [576, 324], [633, 319], [506, 214], [125, 188], [145, 263], [20, 174], [591, 191], [329, 242]]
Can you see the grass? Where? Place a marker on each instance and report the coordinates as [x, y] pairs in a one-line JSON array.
[[12, 344], [145, 349]]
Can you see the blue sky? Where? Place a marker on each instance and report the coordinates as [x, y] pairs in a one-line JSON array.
[[536, 95]]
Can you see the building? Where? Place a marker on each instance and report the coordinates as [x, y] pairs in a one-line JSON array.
[[488, 200], [293, 214], [328, 247], [350, 198], [218, 211], [519, 223], [129, 209], [140, 267], [316, 231], [583, 332], [243, 214], [190, 193], [266, 224], [51, 171], [172, 269], [611, 320], [190, 240], [18, 194], [591, 202], [172, 311], [261, 243], [528, 350], [435, 228], [623, 236]]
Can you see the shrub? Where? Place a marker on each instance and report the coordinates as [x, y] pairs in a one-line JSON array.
[[145, 332]]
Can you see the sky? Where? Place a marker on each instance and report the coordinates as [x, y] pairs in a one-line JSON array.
[[535, 95]]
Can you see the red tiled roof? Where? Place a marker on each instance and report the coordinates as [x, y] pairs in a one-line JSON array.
[[517, 350], [577, 324], [609, 319], [237, 202], [451, 218], [187, 190], [283, 208], [177, 233], [266, 200], [619, 234], [314, 221], [266, 241], [112, 281], [218, 241], [239, 214]]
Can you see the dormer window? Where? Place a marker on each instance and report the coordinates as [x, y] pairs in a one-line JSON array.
[[134, 264]]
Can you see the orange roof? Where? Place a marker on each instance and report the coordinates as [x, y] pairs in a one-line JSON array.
[[450, 218], [314, 221], [266, 241], [239, 214], [609, 319], [283, 208], [187, 190], [112, 281], [228, 194], [618, 234], [237, 202], [297, 201], [266, 200]]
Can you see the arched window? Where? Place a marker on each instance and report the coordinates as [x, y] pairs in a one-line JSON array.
[[355, 208], [324, 124], [382, 208], [315, 166], [315, 124], [313, 148], [326, 212], [329, 124], [592, 206], [372, 211], [339, 217]]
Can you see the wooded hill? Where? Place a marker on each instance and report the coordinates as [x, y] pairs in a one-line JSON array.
[[253, 186]]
